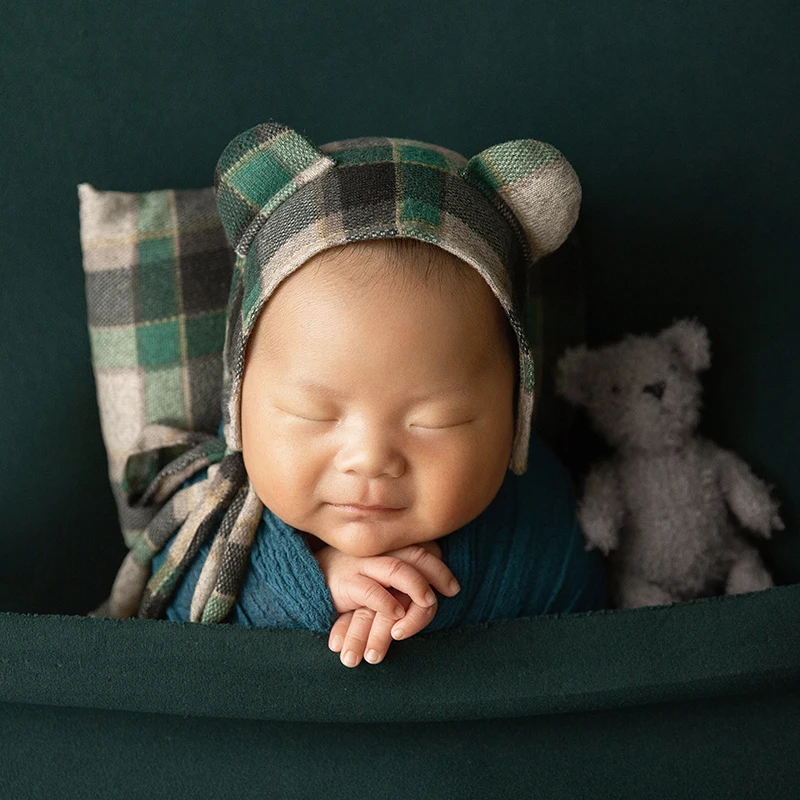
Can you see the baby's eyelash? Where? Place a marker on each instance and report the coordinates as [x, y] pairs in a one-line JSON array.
[[300, 416], [441, 427], [412, 425]]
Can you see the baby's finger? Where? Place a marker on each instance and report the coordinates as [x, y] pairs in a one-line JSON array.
[[432, 547], [394, 572], [339, 631], [417, 617], [363, 590], [355, 641], [431, 567], [380, 637]]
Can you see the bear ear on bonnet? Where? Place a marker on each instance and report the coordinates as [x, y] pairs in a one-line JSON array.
[[537, 183], [256, 172]]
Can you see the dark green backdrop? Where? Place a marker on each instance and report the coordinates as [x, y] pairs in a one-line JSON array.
[[681, 119]]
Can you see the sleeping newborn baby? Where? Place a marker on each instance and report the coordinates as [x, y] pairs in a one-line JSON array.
[[378, 408], [375, 441]]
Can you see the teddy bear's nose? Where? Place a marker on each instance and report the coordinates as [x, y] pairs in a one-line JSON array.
[[655, 389]]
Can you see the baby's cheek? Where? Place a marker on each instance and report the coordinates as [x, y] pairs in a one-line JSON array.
[[444, 496], [458, 492], [282, 477]]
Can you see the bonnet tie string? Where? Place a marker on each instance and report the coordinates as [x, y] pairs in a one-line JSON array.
[[194, 511]]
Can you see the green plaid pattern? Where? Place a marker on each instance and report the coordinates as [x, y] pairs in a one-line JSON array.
[[257, 171], [279, 200], [158, 268]]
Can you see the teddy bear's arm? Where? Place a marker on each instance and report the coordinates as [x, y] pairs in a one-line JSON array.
[[601, 511], [747, 496]]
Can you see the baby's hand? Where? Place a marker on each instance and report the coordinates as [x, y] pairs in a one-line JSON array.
[[369, 610], [364, 629]]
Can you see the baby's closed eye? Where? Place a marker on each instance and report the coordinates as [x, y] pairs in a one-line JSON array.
[[308, 418], [434, 426], [438, 422]]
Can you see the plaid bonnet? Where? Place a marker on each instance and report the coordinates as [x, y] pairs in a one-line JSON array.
[[281, 200]]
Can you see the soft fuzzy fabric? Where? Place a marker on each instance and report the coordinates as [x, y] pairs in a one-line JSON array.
[[669, 507], [522, 556]]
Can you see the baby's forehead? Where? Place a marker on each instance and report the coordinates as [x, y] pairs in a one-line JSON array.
[[396, 267], [411, 284]]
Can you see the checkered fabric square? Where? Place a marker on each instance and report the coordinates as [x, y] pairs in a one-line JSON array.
[[158, 271]]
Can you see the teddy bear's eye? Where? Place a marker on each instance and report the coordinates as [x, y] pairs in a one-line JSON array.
[[614, 388]]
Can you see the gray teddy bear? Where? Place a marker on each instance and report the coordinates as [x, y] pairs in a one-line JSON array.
[[668, 508]]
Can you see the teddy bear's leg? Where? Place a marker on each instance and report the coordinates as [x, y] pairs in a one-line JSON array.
[[630, 591], [748, 574]]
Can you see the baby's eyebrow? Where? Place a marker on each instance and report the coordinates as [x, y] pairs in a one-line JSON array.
[[315, 387]]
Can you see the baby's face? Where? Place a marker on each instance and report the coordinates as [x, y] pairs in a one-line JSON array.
[[380, 396]]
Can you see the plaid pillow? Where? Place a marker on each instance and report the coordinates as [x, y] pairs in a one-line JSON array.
[[158, 271]]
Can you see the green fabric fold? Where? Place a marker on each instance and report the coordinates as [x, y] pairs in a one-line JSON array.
[[713, 647]]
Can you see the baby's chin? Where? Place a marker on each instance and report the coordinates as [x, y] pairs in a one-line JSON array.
[[365, 535]]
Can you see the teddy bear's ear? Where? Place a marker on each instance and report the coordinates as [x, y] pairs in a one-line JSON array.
[[690, 339], [257, 171], [537, 183], [573, 375]]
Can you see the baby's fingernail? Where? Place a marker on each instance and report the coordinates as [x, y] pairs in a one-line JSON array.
[[398, 612], [398, 633], [430, 597], [454, 587], [336, 643], [350, 659], [372, 656]]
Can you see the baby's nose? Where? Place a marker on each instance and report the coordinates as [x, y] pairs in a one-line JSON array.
[[656, 389], [370, 458]]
